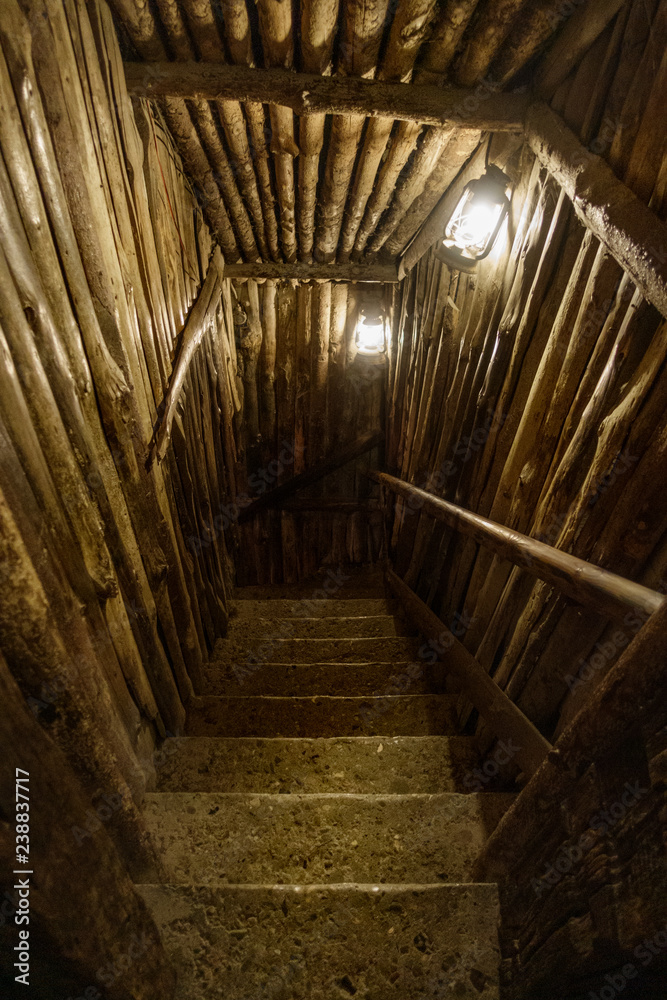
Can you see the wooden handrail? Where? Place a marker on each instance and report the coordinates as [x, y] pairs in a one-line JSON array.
[[607, 593], [497, 709]]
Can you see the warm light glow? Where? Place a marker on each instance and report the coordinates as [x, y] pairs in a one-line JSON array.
[[471, 228], [477, 219], [370, 336]]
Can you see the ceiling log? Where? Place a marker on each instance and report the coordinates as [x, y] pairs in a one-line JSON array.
[[302, 271], [309, 93]]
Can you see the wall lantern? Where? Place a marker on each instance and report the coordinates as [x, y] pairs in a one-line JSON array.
[[476, 221], [370, 332]]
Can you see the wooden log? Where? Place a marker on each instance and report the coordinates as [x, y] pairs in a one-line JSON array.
[[612, 711], [274, 497], [267, 362], [318, 425], [492, 27], [239, 45], [319, 20], [635, 236], [197, 324], [434, 227], [501, 714], [573, 40], [275, 24], [445, 39], [308, 94], [301, 271], [421, 167], [409, 27], [605, 592]]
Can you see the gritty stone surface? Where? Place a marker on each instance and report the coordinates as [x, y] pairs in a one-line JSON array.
[[271, 646], [295, 680], [408, 942], [380, 764], [332, 608], [395, 715], [319, 838], [247, 630]]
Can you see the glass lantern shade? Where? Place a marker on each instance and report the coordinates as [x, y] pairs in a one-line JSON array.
[[475, 223], [369, 338]]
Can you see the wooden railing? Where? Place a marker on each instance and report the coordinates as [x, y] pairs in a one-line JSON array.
[[607, 593]]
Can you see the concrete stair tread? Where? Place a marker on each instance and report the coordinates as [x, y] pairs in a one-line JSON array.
[[326, 608], [321, 715], [332, 679], [217, 837], [247, 628], [378, 764], [271, 646], [295, 942]]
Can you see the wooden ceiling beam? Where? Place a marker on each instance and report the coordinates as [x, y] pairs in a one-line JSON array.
[[310, 93], [301, 271]]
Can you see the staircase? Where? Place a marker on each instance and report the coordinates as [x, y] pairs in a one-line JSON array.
[[312, 826]]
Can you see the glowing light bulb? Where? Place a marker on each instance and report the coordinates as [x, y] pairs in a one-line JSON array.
[[370, 337]]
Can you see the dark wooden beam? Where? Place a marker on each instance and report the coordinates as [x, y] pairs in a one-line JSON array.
[[635, 236], [276, 496], [607, 593], [333, 505], [298, 271], [309, 93], [500, 713]]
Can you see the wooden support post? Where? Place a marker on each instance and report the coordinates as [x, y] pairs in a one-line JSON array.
[[310, 93], [500, 713], [608, 594], [275, 496], [615, 707]]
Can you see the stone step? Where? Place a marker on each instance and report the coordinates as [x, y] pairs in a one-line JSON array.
[[271, 647], [245, 629], [394, 765], [395, 715], [311, 679], [228, 837], [306, 608], [405, 942]]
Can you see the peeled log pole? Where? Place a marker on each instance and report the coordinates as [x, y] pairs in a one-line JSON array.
[[190, 339], [302, 271], [633, 233], [501, 714], [612, 711], [308, 94], [597, 588]]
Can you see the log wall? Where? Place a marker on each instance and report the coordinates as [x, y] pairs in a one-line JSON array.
[[535, 393], [107, 610], [307, 395]]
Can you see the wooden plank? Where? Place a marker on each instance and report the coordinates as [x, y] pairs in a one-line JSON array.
[[302, 271], [310, 93], [501, 714], [275, 496], [605, 592]]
